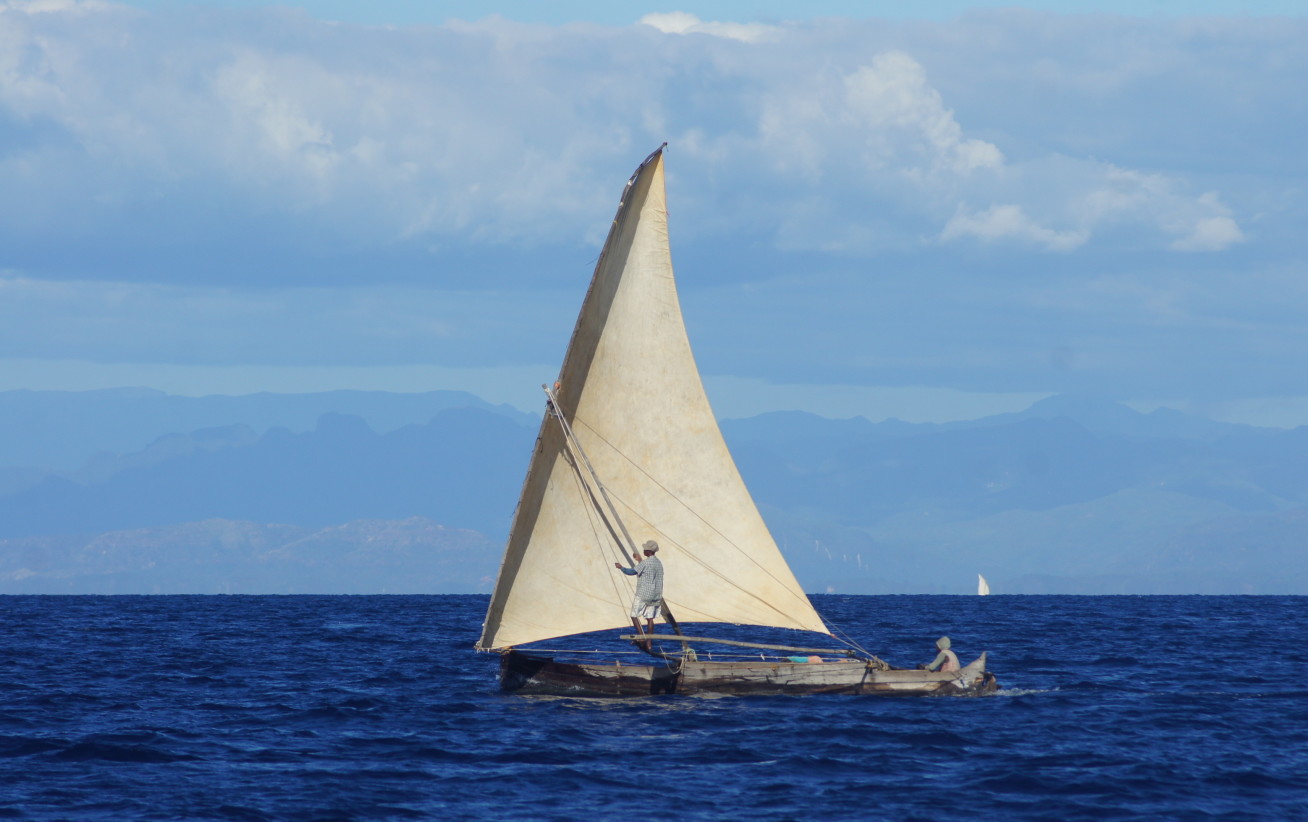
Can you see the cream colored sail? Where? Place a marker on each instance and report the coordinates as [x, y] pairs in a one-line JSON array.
[[631, 391], [982, 587]]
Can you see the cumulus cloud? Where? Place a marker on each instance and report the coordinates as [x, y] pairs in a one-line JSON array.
[[213, 186], [1079, 198], [275, 118], [680, 22], [1207, 226], [879, 118], [1210, 234], [373, 137], [825, 135], [895, 105], [1196, 223], [1002, 222], [54, 6]]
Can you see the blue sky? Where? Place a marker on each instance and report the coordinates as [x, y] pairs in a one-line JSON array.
[[929, 217]]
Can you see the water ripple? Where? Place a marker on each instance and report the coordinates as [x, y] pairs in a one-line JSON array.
[[309, 708]]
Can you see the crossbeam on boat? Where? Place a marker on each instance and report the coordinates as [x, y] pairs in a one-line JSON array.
[[714, 641]]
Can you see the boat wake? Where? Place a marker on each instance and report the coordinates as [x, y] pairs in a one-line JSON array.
[[1024, 691]]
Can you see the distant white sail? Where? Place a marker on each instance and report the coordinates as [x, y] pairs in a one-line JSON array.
[[982, 587], [631, 392]]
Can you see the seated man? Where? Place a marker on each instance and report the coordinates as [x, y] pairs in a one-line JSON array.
[[946, 660]]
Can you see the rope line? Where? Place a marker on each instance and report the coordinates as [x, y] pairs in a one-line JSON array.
[[572, 442], [595, 517], [573, 450], [698, 516]]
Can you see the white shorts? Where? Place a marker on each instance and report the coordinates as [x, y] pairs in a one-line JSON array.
[[640, 609]]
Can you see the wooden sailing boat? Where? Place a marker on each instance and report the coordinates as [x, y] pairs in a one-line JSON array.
[[629, 450]]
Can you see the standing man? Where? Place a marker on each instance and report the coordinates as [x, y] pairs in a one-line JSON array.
[[649, 587]]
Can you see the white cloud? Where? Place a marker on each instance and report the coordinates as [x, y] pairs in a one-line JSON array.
[[1200, 223], [269, 103], [1210, 234], [901, 113], [54, 6], [680, 22], [444, 132], [1002, 222], [1077, 199], [881, 118], [854, 137], [1207, 226]]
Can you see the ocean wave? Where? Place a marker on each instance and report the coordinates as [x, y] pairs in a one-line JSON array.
[[255, 710]]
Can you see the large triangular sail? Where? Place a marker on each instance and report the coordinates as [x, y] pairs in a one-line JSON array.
[[631, 393]]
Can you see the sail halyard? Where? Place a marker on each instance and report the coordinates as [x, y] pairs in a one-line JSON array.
[[631, 393]]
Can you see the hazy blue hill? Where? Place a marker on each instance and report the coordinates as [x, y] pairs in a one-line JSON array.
[[1265, 553], [1108, 418], [1072, 495], [1278, 463], [16, 478], [61, 430], [413, 555], [1063, 498], [462, 469], [799, 434], [1028, 463], [791, 430], [168, 447], [808, 428]]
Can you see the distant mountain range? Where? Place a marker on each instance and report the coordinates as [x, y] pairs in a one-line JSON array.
[[411, 556], [113, 492], [61, 430], [463, 469]]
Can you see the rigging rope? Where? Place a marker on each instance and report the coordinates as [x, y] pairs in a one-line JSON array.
[[593, 513], [754, 561], [571, 441], [841, 636]]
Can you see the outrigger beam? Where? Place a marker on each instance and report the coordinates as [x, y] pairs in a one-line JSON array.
[[710, 640]]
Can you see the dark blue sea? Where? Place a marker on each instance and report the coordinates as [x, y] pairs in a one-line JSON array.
[[317, 708]]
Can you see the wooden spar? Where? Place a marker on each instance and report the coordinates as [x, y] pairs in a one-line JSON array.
[[685, 639], [572, 441]]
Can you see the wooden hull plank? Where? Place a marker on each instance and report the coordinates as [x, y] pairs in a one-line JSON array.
[[524, 673]]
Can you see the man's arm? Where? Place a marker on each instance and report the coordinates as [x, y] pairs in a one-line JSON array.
[[631, 572]]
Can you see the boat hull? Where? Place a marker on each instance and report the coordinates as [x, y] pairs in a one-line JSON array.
[[527, 673]]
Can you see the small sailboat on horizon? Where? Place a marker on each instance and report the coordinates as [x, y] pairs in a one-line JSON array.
[[629, 450], [982, 587]]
